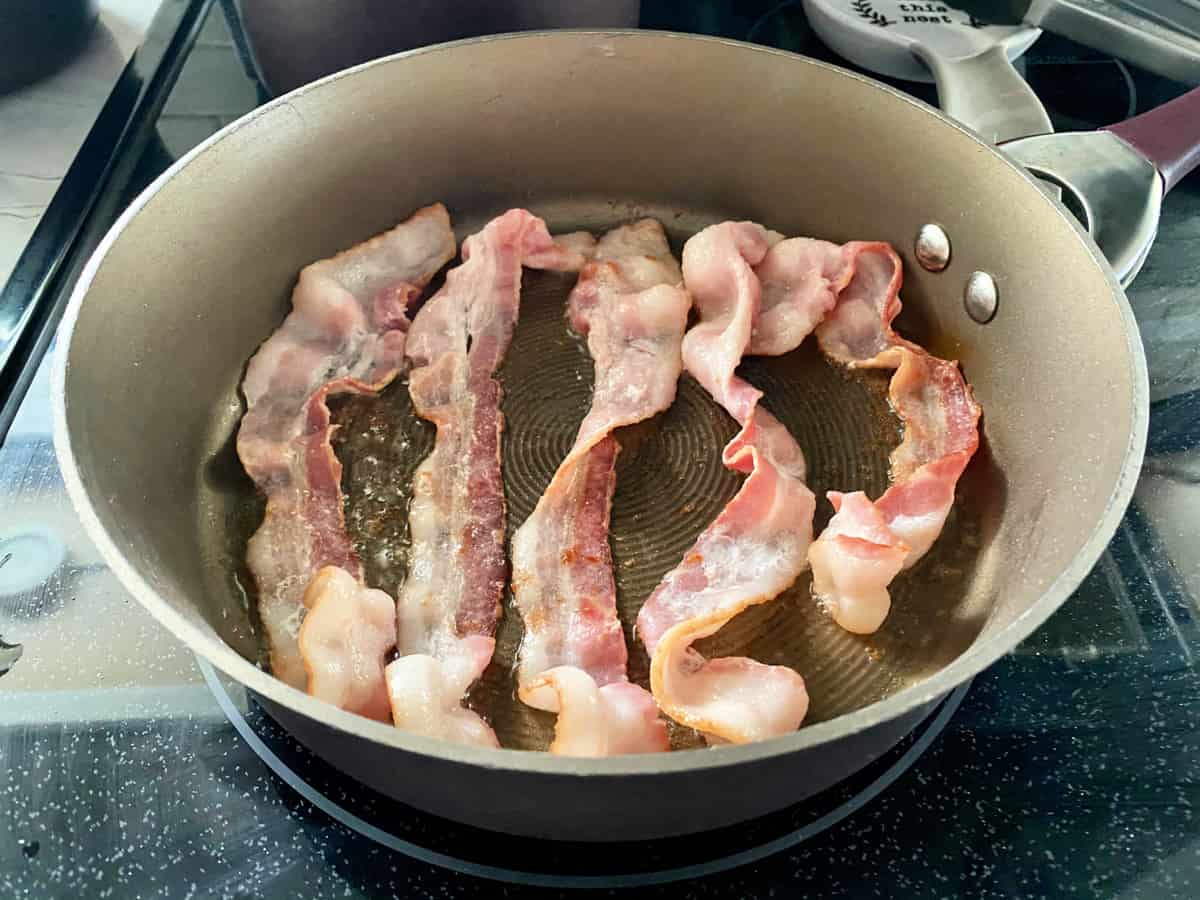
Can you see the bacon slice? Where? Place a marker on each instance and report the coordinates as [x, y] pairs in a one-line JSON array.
[[801, 279], [758, 545], [345, 334], [449, 606], [630, 305], [345, 637], [867, 543]]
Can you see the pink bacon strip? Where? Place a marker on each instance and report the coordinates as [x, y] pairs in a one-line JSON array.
[[345, 334], [758, 545], [449, 606], [866, 544], [632, 309]]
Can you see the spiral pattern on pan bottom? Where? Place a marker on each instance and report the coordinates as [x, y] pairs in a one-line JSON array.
[[671, 485]]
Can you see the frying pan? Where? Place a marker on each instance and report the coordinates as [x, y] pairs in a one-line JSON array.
[[589, 130]]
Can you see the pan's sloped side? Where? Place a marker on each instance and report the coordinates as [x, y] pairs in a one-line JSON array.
[[589, 129], [599, 807]]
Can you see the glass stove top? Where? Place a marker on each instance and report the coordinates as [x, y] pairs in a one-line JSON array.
[[1071, 768]]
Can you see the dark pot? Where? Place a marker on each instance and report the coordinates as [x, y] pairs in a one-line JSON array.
[[38, 37], [293, 42]]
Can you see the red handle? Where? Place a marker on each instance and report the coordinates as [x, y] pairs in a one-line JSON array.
[[1168, 136]]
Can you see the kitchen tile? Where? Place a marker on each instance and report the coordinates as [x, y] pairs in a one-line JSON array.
[[43, 124], [182, 133], [212, 84], [215, 31], [23, 199]]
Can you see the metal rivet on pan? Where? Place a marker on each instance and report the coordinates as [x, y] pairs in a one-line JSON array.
[[980, 297], [932, 248]]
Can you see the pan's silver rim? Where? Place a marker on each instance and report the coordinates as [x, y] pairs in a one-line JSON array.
[[978, 657]]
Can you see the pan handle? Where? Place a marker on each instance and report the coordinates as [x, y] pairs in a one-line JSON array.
[[986, 93], [1168, 136]]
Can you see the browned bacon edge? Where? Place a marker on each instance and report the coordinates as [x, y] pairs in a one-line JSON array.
[[345, 333], [867, 543]]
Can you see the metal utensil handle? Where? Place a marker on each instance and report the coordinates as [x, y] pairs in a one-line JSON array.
[[986, 93], [1115, 30], [1168, 136]]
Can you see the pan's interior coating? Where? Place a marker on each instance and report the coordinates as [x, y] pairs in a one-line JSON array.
[[671, 484]]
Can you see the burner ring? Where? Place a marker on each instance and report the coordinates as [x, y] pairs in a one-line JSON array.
[[883, 773]]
